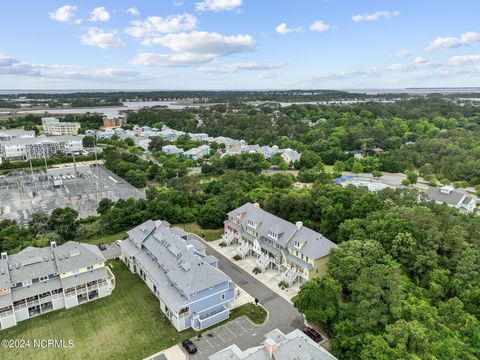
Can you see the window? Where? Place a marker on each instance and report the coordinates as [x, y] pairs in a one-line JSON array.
[[223, 296], [251, 224], [306, 258], [90, 268], [272, 234], [296, 244], [302, 256]]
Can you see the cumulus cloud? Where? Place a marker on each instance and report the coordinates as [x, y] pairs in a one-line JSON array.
[[375, 16], [63, 14], [99, 14], [319, 26], [104, 39], [218, 5], [234, 67], [156, 25], [453, 42], [284, 29], [171, 60], [403, 53], [203, 42], [133, 11], [12, 66], [268, 75], [464, 59], [417, 63]]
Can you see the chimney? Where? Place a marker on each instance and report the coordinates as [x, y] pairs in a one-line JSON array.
[[270, 347], [256, 205], [4, 255], [53, 244], [299, 224]]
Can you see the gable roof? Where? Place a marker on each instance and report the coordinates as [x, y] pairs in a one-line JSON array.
[[453, 198]]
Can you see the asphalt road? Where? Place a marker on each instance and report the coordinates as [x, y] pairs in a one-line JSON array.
[[282, 314]]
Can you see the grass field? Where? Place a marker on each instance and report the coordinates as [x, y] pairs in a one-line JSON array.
[[106, 239], [210, 234], [125, 325]]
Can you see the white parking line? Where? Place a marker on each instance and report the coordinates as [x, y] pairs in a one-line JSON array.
[[220, 337], [241, 327], [205, 337], [226, 327]]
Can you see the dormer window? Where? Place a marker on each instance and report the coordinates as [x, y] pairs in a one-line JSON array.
[[296, 244], [237, 214], [272, 234], [251, 224]]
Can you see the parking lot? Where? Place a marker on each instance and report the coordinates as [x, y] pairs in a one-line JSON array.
[[215, 340], [112, 251]]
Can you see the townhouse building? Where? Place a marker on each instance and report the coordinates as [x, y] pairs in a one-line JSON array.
[[295, 250], [10, 134], [40, 147], [36, 281], [53, 126], [191, 290]]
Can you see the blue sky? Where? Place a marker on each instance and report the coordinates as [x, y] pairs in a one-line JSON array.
[[238, 44]]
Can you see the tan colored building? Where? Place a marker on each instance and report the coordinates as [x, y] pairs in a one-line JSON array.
[[114, 122], [53, 126]]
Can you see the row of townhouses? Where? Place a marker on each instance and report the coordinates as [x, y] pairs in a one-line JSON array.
[[36, 281], [53, 126], [192, 291], [24, 148], [11, 134], [295, 250]]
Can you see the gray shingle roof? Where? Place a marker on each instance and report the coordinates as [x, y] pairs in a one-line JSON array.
[[35, 289], [73, 255], [454, 198], [84, 278]]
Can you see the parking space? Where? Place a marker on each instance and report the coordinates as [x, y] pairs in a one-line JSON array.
[[112, 251], [219, 338]]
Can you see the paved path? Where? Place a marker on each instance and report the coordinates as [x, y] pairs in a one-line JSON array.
[[282, 314]]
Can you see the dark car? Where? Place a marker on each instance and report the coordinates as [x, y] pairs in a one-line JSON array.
[[312, 334], [102, 246], [189, 346]]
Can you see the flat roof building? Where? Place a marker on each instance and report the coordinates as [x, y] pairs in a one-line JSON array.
[[53, 126], [40, 147], [10, 134]]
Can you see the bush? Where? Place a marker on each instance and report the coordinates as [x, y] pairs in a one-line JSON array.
[[222, 244], [283, 285], [237, 257], [257, 270]]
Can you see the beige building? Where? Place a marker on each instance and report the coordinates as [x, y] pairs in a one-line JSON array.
[[53, 126]]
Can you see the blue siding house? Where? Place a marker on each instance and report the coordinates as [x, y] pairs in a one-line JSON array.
[[192, 291]]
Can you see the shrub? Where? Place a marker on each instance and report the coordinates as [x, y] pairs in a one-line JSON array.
[[282, 285], [222, 244], [257, 270], [237, 257]]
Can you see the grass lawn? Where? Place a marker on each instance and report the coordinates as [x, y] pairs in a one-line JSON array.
[[106, 239], [210, 234], [125, 325], [256, 313]]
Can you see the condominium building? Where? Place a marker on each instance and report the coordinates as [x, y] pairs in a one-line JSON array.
[[192, 291], [53, 126], [115, 122], [40, 147], [10, 134], [278, 346], [36, 281], [295, 250]]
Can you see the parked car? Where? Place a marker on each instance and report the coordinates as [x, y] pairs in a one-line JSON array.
[[312, 334], [189, 346], [102, 246], [118, 242]]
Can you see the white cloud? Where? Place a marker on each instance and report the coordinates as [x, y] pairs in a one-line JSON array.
[[102, 38], [202, 42], [320, 26], [452, 42], [417, 63], [403, 53], [171, 60], [133, 11], [268, 75], [156, 25], [284, 29], [234, 67], [12, 66], [64, 13], [218, 5], [375, 16], [464, 59], [99, 14]]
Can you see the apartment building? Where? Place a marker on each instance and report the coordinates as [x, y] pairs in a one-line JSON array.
[[53, 126], [39, 147], [192, 291], [10, 134], [295, 250], [115, 122], [277, 346], [36, 281]]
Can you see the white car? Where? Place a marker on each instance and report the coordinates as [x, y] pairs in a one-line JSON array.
[[118, 242]]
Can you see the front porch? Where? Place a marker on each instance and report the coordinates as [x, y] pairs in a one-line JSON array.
[[270, 277]]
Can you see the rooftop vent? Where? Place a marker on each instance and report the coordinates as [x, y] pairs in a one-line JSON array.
[[4, 255]]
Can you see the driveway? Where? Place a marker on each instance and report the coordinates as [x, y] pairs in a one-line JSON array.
[[282, 314], [112, 251]]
